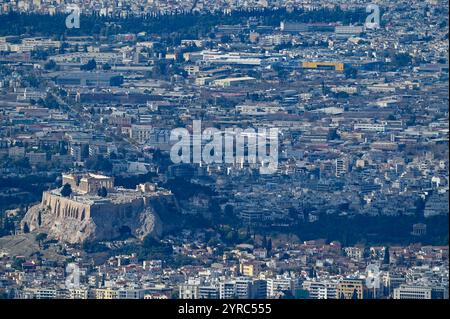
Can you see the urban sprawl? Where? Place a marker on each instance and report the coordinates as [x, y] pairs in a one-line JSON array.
[[93, 206]]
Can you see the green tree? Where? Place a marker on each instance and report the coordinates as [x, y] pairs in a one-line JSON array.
[[50, 102], [269, 245], [116, 80], [26, 228], [102, 192], [66, 190], [152, 248], [100, 163], [40, 238], [160, 69], [89, 66], [248, 233], [23, 163], [401, 59], [50, 65], [232, 237], [264, 241], [386, 258], [350, 72], [312, 273]]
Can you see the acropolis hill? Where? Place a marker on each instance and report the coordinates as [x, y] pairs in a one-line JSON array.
[[84, 215]]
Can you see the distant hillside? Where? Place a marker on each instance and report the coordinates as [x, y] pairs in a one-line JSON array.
[[185, 24]]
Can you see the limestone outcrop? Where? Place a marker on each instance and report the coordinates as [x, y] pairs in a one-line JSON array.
[[82, 218]]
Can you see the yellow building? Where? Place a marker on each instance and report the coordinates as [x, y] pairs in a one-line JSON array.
[[337, 66], [80, 293], [171, 56], [350, 288], [106, 293], [249, 269], [234, 81]]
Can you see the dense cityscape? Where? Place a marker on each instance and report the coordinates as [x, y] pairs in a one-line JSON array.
[[219, 149]]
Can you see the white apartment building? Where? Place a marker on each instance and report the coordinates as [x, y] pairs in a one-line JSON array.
[[259, 109], [321, 289], [141, 133], [189, 291], [238, 288], [278, 285], [370, 127], [412, 292], [341, 166]]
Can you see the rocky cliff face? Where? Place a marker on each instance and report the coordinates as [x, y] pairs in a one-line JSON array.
[[104, 226]]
